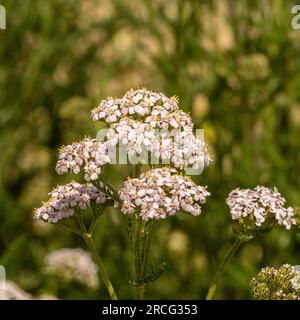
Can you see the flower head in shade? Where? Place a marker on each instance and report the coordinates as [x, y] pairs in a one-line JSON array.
[[258, 210], [162, 192], [73, 265], [9, 290], [88, 155], [276, 284], [66, 199]]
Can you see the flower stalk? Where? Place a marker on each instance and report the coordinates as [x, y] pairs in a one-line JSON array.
[[221, 268], [139, 253], [139, 248], [87, 237], [91, 246]]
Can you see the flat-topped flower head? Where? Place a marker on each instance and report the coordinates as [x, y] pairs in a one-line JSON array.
[[162, 192], [73, 265], [88, 155], [135, 103], [152, 125], [258, 209], [66, 199], [277, 284]]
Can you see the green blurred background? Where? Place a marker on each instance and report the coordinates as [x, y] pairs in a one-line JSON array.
[[236, 68]]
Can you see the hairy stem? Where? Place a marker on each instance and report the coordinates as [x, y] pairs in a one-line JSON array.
[[220, 271]]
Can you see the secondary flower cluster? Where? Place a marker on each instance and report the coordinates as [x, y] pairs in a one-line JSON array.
[[89, 154], [145, 121], [73, 265], [162, 192], [65, 199], [273, 284], [259, 208]]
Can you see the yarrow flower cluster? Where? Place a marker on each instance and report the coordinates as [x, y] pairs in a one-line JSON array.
[[73, 265], [145, 121], [162, 192], [259, 209], [160, 118], [135, 103], [88, 154], [65, 199], [277, 284]]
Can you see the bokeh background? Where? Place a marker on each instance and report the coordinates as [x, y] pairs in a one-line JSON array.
[[235, 67]]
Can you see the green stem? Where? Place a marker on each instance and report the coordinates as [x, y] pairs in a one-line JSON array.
[[90, 244], [93, 224], [139, 258], [112, 189], [69, 228], [140, 292], [136, 170], [87, 237], [150, 231], [139, 246], [219, 273], [97, 215]]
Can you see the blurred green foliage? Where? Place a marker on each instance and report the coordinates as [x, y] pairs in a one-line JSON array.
[[236, 68]]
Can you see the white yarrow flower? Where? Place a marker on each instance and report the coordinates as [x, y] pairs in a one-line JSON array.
[[73, 264], [159, 193], [260, 205], [65, 199], [89, 154]]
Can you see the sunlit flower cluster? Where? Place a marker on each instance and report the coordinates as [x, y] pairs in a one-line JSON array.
[[277, 284], [148, 122], [88, 154], [135, 103], [261, 206], [162, 192], [65, 199], [160, 118], [72, 265]]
